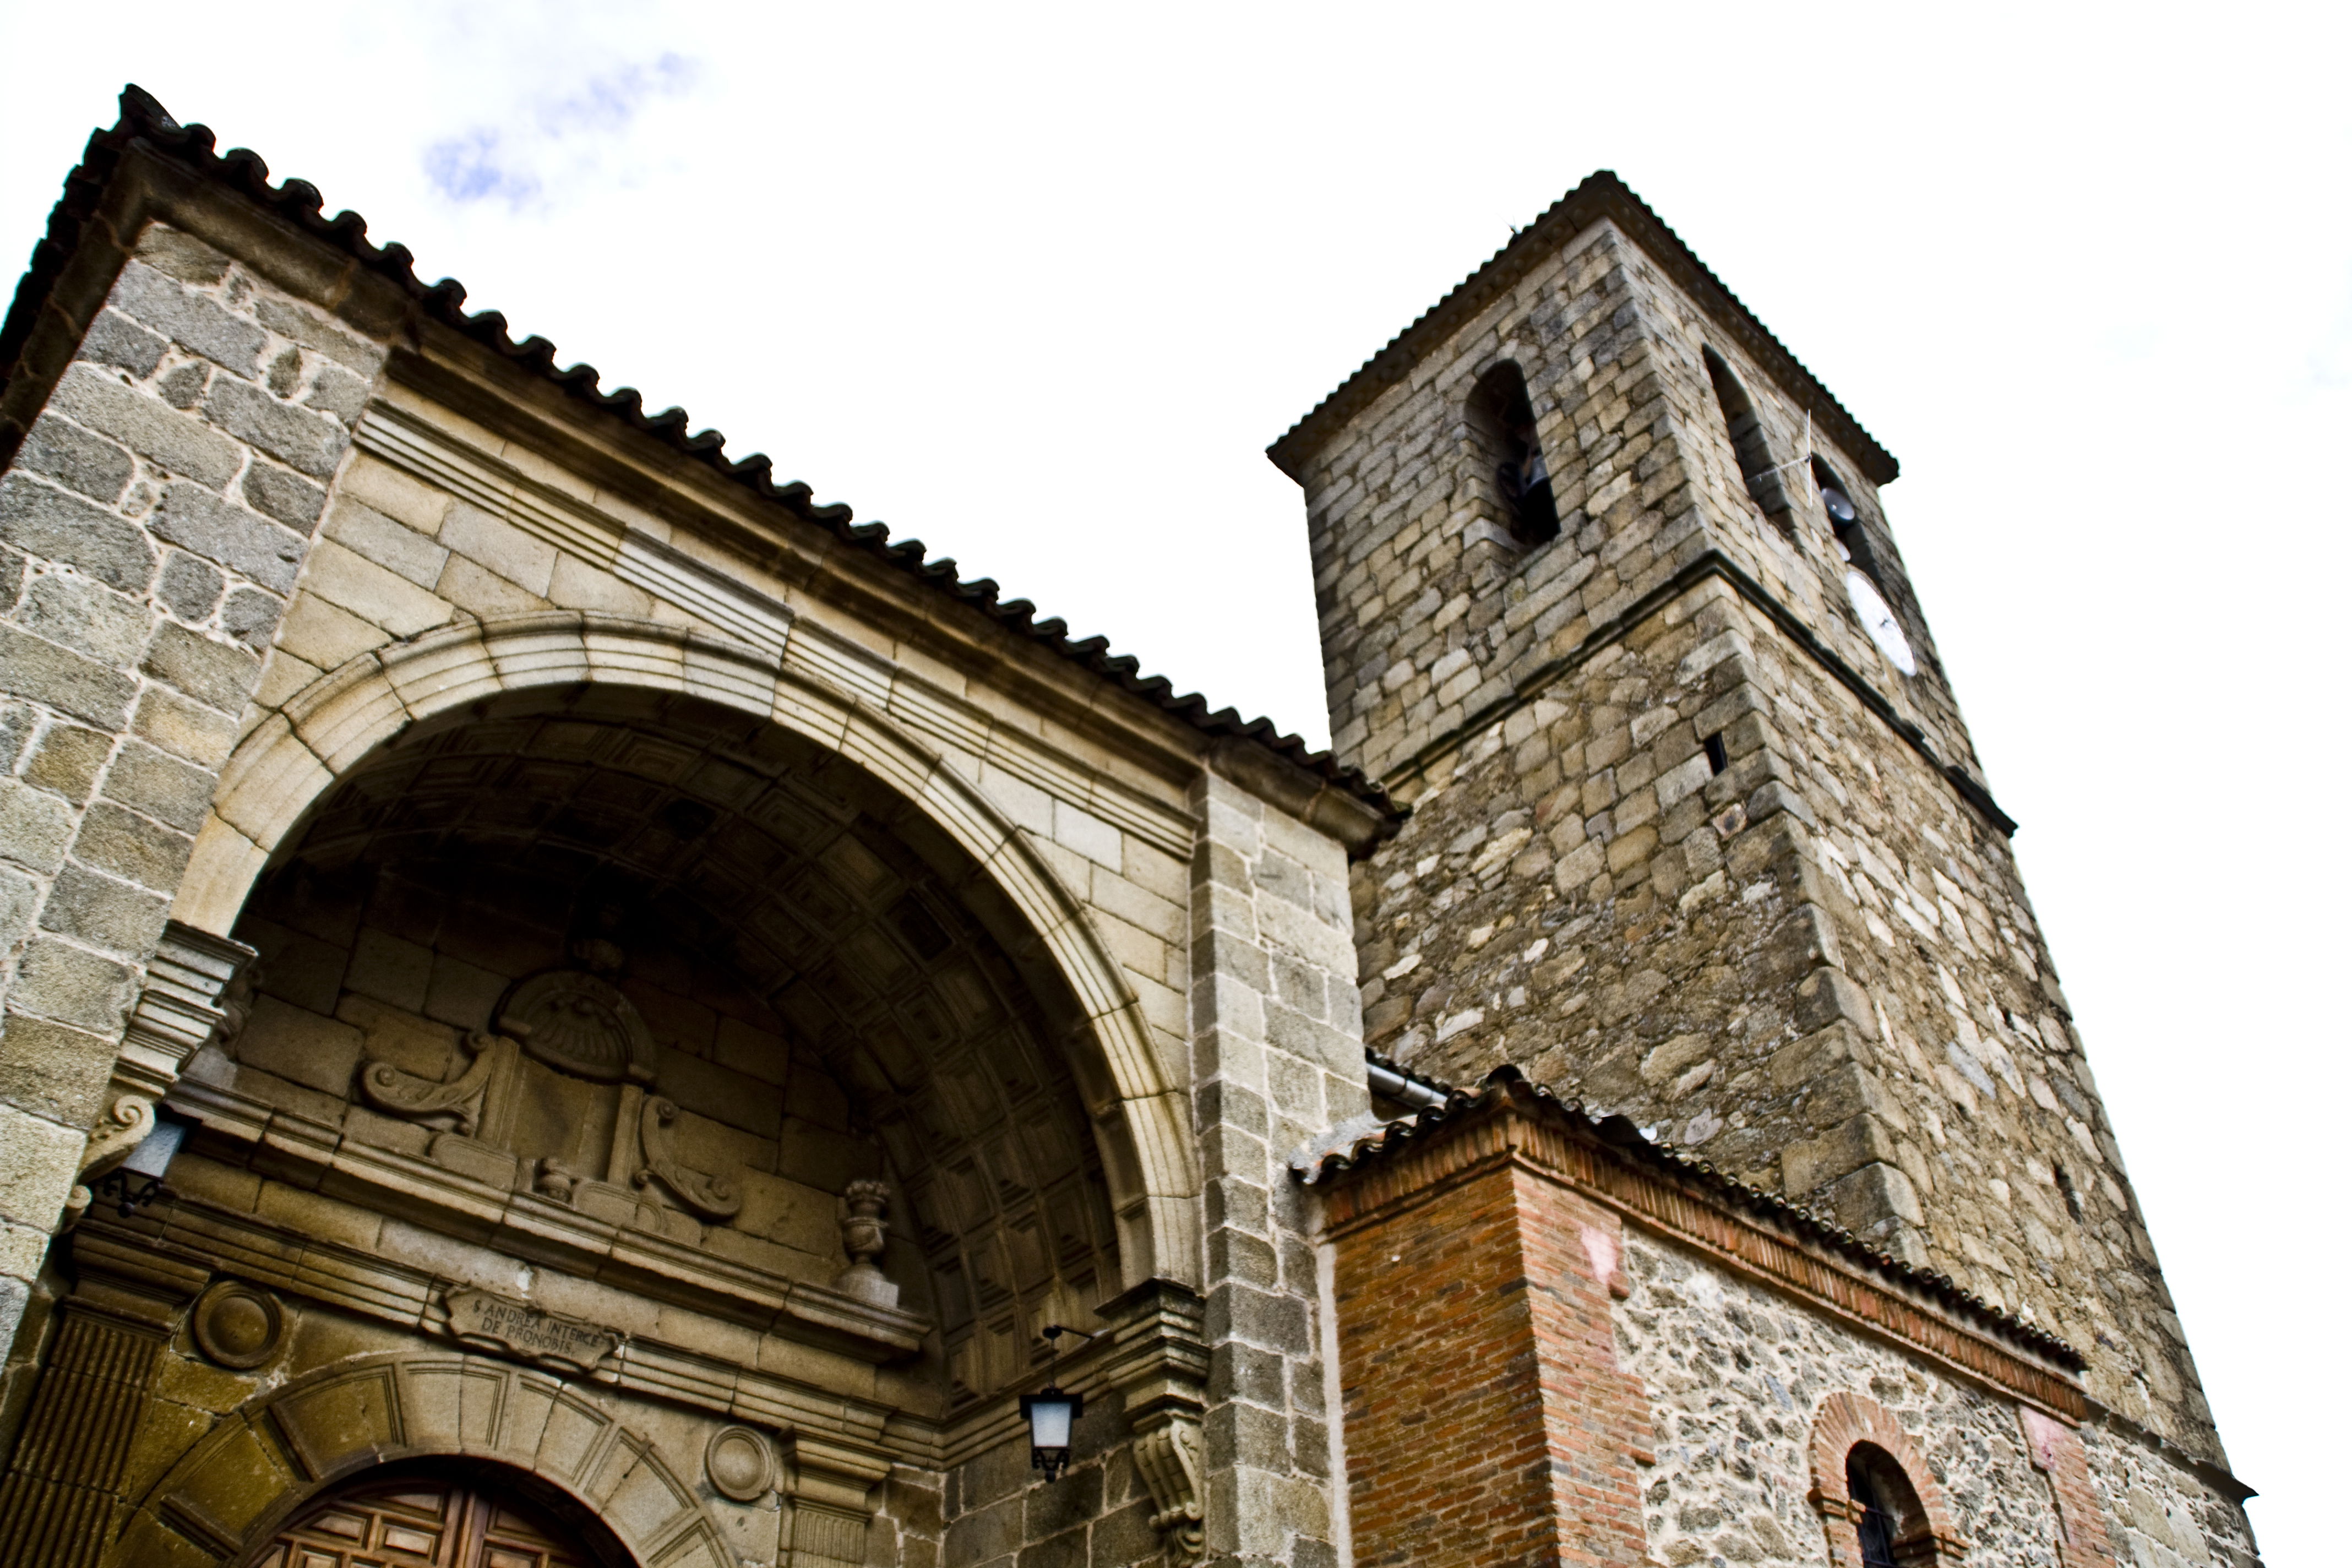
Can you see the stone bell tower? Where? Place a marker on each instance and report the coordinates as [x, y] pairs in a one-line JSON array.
[[1609, 598]]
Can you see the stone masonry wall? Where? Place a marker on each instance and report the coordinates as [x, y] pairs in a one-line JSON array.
[[152, 527], [1735, 1375], [1816, 968], [1671, 862], [1278, 1058]]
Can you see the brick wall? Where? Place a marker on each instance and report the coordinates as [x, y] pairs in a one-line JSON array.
[[1487, 1419]]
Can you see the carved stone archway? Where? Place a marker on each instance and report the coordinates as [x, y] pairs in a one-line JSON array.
[[1845, 1421], [289, 763], [273, 1455]]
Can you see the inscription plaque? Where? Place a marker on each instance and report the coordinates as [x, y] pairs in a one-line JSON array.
[[522, 1331]]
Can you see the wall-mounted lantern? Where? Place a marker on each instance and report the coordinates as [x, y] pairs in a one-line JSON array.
[[1052, 1412], [139, 1180]]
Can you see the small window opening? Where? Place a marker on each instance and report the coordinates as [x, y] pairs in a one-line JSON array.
[[1745, 427], [1864, 584], [1501, 413], [1845, 519], [1892, 1518], [1717, 758], [2066, 1191]]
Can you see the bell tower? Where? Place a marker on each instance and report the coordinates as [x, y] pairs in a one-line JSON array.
[[1609, 598]]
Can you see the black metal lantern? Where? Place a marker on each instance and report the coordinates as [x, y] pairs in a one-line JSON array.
[[139, 1180], [1052, 1412]]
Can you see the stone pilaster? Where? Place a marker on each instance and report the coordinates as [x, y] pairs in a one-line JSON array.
[[62, 1496], [1277, 1060], [153, 524]]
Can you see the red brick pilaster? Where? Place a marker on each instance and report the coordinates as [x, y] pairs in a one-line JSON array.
[[1488, 1421], [1844, 1420], [2056, 1450]]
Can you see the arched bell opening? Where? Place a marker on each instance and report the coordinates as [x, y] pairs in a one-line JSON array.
[[666, 902]]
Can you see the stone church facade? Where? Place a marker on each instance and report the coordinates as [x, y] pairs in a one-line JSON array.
[[567, 1004]]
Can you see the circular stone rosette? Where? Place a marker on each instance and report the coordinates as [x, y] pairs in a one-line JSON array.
[[239, 1325], [740, 1464]]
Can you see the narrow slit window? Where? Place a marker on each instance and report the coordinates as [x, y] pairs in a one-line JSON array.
[[1504, 421], [1745, 428], [1717, 758]]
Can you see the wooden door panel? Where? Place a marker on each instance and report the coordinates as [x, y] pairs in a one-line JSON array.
[[422, 1524]]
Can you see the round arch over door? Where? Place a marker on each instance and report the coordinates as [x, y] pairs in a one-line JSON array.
[[291, 761], [406, 1516]]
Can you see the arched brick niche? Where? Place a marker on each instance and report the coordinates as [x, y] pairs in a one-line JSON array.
[[1924, 1532]]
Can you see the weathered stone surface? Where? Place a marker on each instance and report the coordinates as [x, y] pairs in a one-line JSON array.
[[48, 524], [213, 673], [255, 548], [151, 427], [76, 459]]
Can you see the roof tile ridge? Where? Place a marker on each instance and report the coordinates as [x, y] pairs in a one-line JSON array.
[[142, 116]]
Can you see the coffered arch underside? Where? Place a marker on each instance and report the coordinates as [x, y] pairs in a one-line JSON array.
[[288, 767]]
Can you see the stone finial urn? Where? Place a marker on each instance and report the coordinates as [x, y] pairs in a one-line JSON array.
[[864, 1234]]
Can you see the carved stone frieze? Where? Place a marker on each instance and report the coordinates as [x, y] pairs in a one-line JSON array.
[[191, 992], [712, 1198]]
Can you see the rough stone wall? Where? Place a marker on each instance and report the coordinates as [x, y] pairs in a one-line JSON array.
[[1428, 612], [1816, 967], [2159, 1516], [151, 527], [1671, 863], [1278, 1058], [999, 1511], [1735, 1374]]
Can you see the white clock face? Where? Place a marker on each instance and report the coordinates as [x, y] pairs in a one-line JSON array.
[[1881, 622]]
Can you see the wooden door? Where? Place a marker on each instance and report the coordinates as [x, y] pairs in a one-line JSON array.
[[423, 1522]]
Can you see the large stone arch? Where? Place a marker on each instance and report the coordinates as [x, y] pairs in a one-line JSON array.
[[273, 1454], [290, 761]]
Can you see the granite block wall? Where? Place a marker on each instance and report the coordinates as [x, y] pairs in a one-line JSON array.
[[153, 525]]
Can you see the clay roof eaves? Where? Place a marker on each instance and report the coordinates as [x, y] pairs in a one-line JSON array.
[[1392, 1138], [1600, 195], [297, 201]]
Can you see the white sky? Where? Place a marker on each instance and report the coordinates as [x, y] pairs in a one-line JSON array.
[[1038, 286]]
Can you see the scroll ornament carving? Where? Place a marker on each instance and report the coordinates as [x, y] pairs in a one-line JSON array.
[[122, 1129], [1168, 1458], [712, 1198], [387, 1088]]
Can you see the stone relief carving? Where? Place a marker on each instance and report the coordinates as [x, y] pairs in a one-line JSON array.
[[124, 1126], [740, 1463], [237, 1325], [580, 1024], [520, 1330], [712, 1198], [387, 1088], [1169, 1459]]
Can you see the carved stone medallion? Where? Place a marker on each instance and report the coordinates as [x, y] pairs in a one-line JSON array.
[[237, 1325], [521, 1329], [580, 1024], [740, 1464]]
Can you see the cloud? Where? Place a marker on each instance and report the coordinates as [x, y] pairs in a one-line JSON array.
[[554, 139]]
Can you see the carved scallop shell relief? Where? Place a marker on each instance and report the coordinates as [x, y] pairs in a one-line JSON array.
[[580, 1024]]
